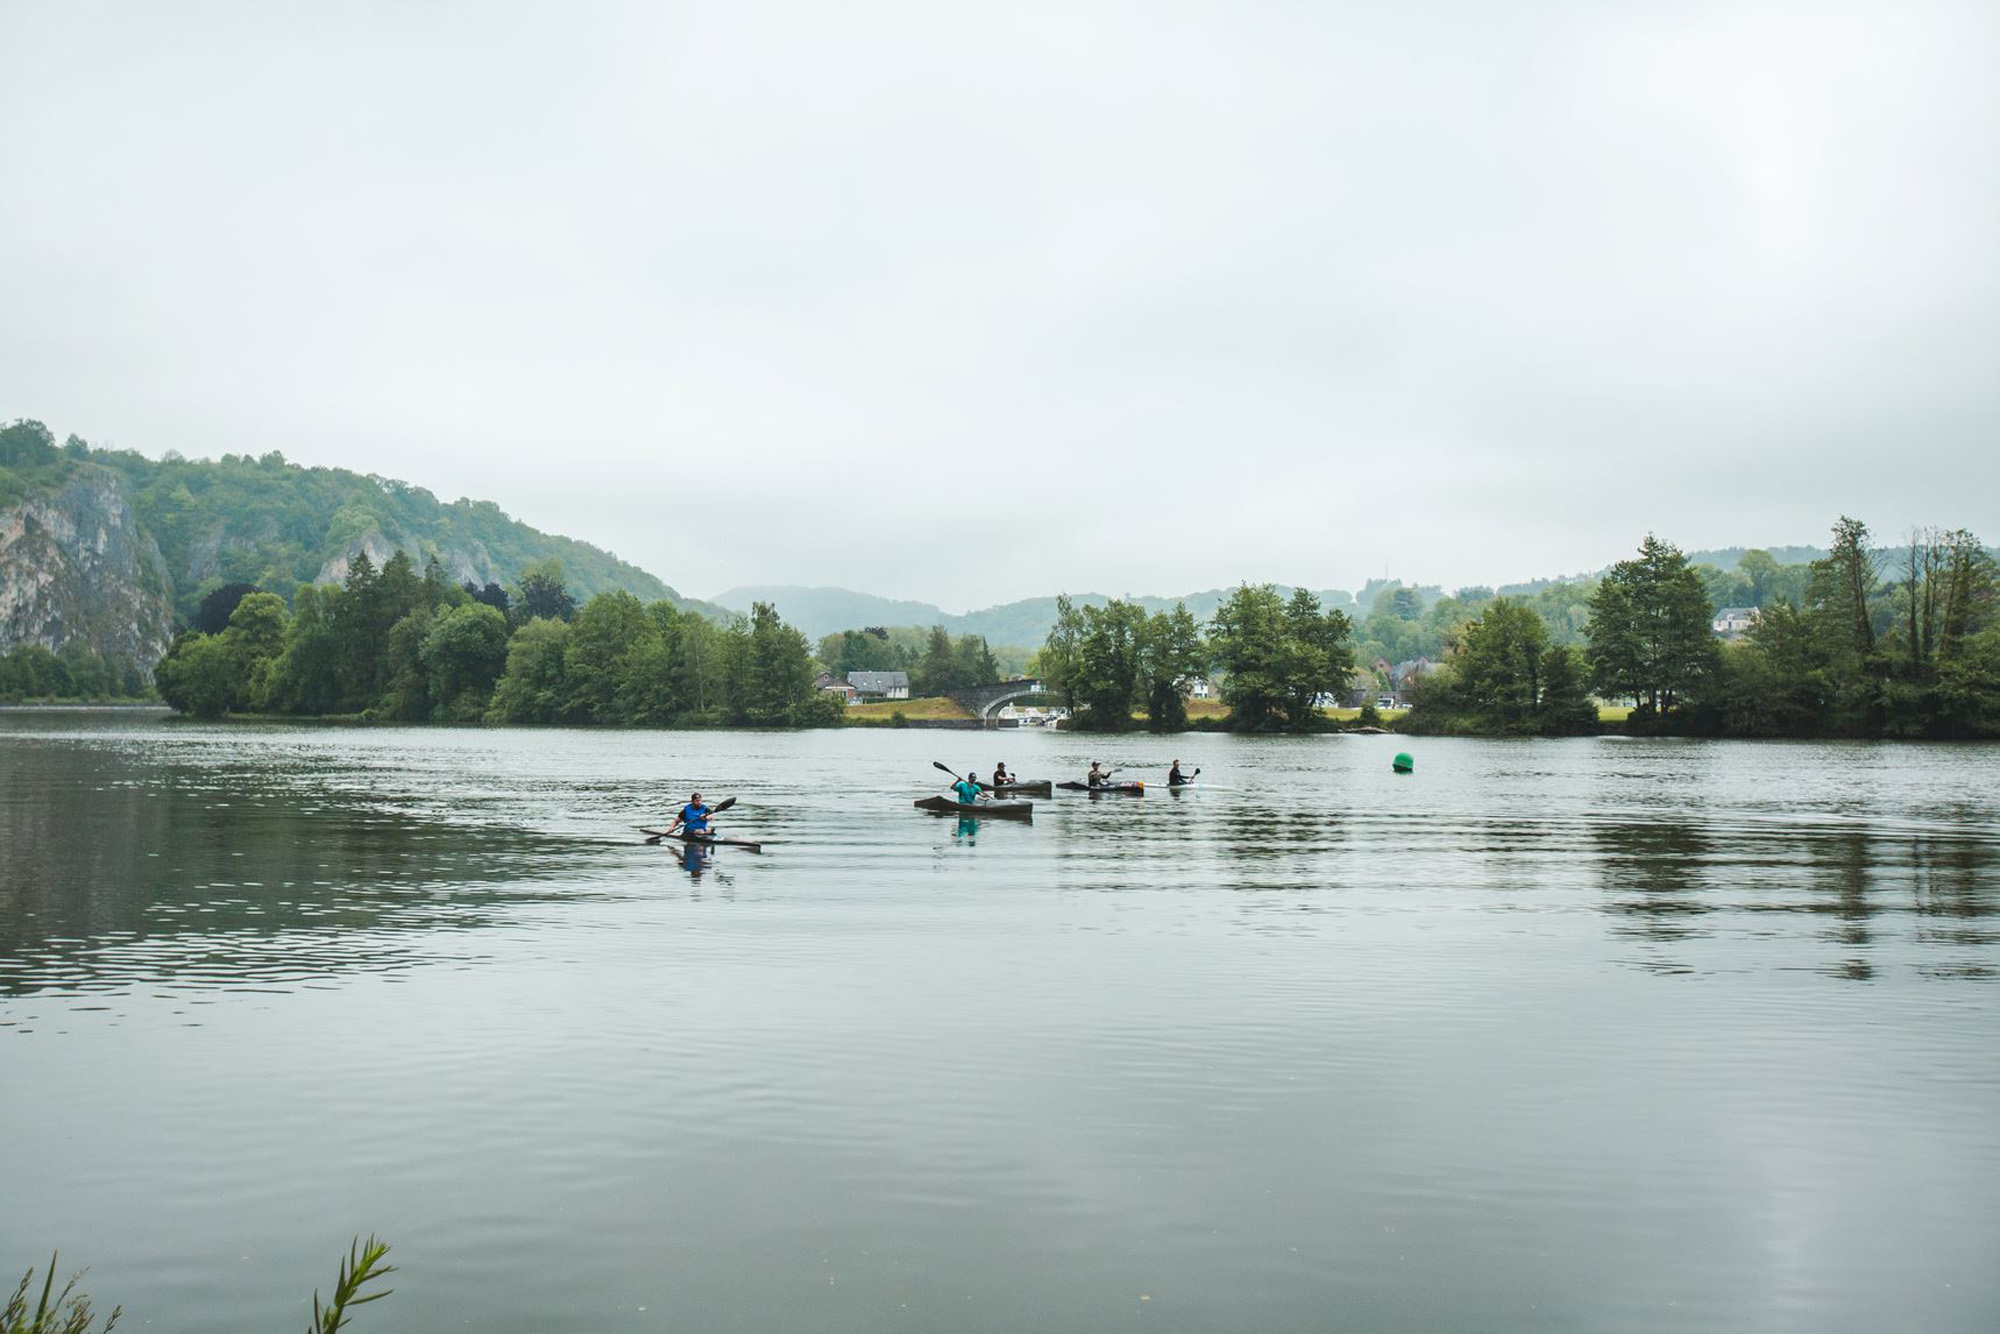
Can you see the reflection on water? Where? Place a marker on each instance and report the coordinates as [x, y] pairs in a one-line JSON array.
[[1584, 1035], [129, 866]]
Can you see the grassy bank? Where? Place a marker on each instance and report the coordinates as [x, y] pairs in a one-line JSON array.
[[935, 707]]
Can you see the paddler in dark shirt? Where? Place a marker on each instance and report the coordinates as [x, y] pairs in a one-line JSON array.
[[1174, 777], [1001, 778]]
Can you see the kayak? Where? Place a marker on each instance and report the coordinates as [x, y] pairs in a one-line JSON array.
[[1133, 788], [1012, 808], [706, 840], [1035, 789]]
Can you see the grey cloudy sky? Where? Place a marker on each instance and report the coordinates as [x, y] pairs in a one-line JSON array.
[[1161, 296]]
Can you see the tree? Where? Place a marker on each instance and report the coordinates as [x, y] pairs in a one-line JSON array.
[[256, 639], [594, 662], [1495, 675], [779, 682], [933, 675], [1279, 658], [1565, 707], [492, 595], [305, 677], [1649, 631], [1246, 638], [532, 689], [218, 606], [463, 654], [542, 593], [1170, 657], [198, 675], [1841, 615]]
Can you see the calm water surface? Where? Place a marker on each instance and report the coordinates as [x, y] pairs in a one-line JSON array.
[[1586, 1035]]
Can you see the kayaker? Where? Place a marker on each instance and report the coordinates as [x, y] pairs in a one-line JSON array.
[[1174, 776], [1098, 775], [693, 818], [1001, 777], [968, 791]]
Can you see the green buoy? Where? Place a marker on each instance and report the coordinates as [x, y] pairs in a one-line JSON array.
[[1403, 763]]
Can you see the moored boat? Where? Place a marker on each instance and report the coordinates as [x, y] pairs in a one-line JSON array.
[[1130, 789], [1012, 808]]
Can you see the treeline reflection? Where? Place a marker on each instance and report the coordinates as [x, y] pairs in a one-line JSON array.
[[119, 871], [1671, 883]]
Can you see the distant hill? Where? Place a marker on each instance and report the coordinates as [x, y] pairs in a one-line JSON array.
[[112, 548], [1726, 558], [822, 611]]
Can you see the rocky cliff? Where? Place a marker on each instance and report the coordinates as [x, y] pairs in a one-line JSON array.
[[75, 565]]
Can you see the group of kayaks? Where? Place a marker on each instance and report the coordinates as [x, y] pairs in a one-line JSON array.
[[1008, 801]]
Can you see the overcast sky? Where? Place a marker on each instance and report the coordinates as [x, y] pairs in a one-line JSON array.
[[1158, 297]]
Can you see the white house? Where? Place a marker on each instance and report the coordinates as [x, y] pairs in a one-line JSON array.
[[1733, 621], [871, 686]]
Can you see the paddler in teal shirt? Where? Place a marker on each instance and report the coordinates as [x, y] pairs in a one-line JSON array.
[[968, 791]]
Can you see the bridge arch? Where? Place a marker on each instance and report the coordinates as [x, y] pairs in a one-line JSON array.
[[984, 702]]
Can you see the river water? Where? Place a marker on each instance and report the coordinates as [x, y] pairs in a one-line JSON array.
[[1599, 1034]]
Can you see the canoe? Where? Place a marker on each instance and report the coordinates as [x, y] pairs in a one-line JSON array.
[[1133, 788], [706, 840], [1043, 788], [1011, 808]]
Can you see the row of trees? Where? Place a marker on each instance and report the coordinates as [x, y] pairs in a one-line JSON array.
[[29, 671], [1916, 653], [1279, 658], [937, 663], [393, 644]]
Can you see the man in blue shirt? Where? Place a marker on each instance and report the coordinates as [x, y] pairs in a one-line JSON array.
[[693, 818]]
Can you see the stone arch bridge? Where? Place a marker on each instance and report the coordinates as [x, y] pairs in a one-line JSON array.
[[984, 702]]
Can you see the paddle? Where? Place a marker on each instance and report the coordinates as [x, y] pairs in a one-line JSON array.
[[717, 809]]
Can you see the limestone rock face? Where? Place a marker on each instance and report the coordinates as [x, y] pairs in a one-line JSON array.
[[75, 565]]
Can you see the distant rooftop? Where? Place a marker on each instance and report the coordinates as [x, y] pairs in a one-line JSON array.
[[875, 682]]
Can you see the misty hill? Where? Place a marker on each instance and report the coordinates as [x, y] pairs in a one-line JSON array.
[[113, 548], [822, 611], [1026, 623]]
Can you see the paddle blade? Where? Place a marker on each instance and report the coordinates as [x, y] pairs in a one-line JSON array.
[[939, 764], [722, 806]]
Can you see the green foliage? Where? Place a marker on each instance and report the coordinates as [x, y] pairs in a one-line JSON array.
[[69, 1311], [272, 524], [65, 1312], [30, 461], [1095, 660], [532, 689], [362, 1266], [1279, 658], [420, 649], [1920, 657], [1650, 639], [78, 673], [1171, 656]]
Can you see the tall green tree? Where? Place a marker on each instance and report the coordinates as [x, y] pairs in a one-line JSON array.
[[1650, 635], [1279, 658], [463, 655], [1171, 655]]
